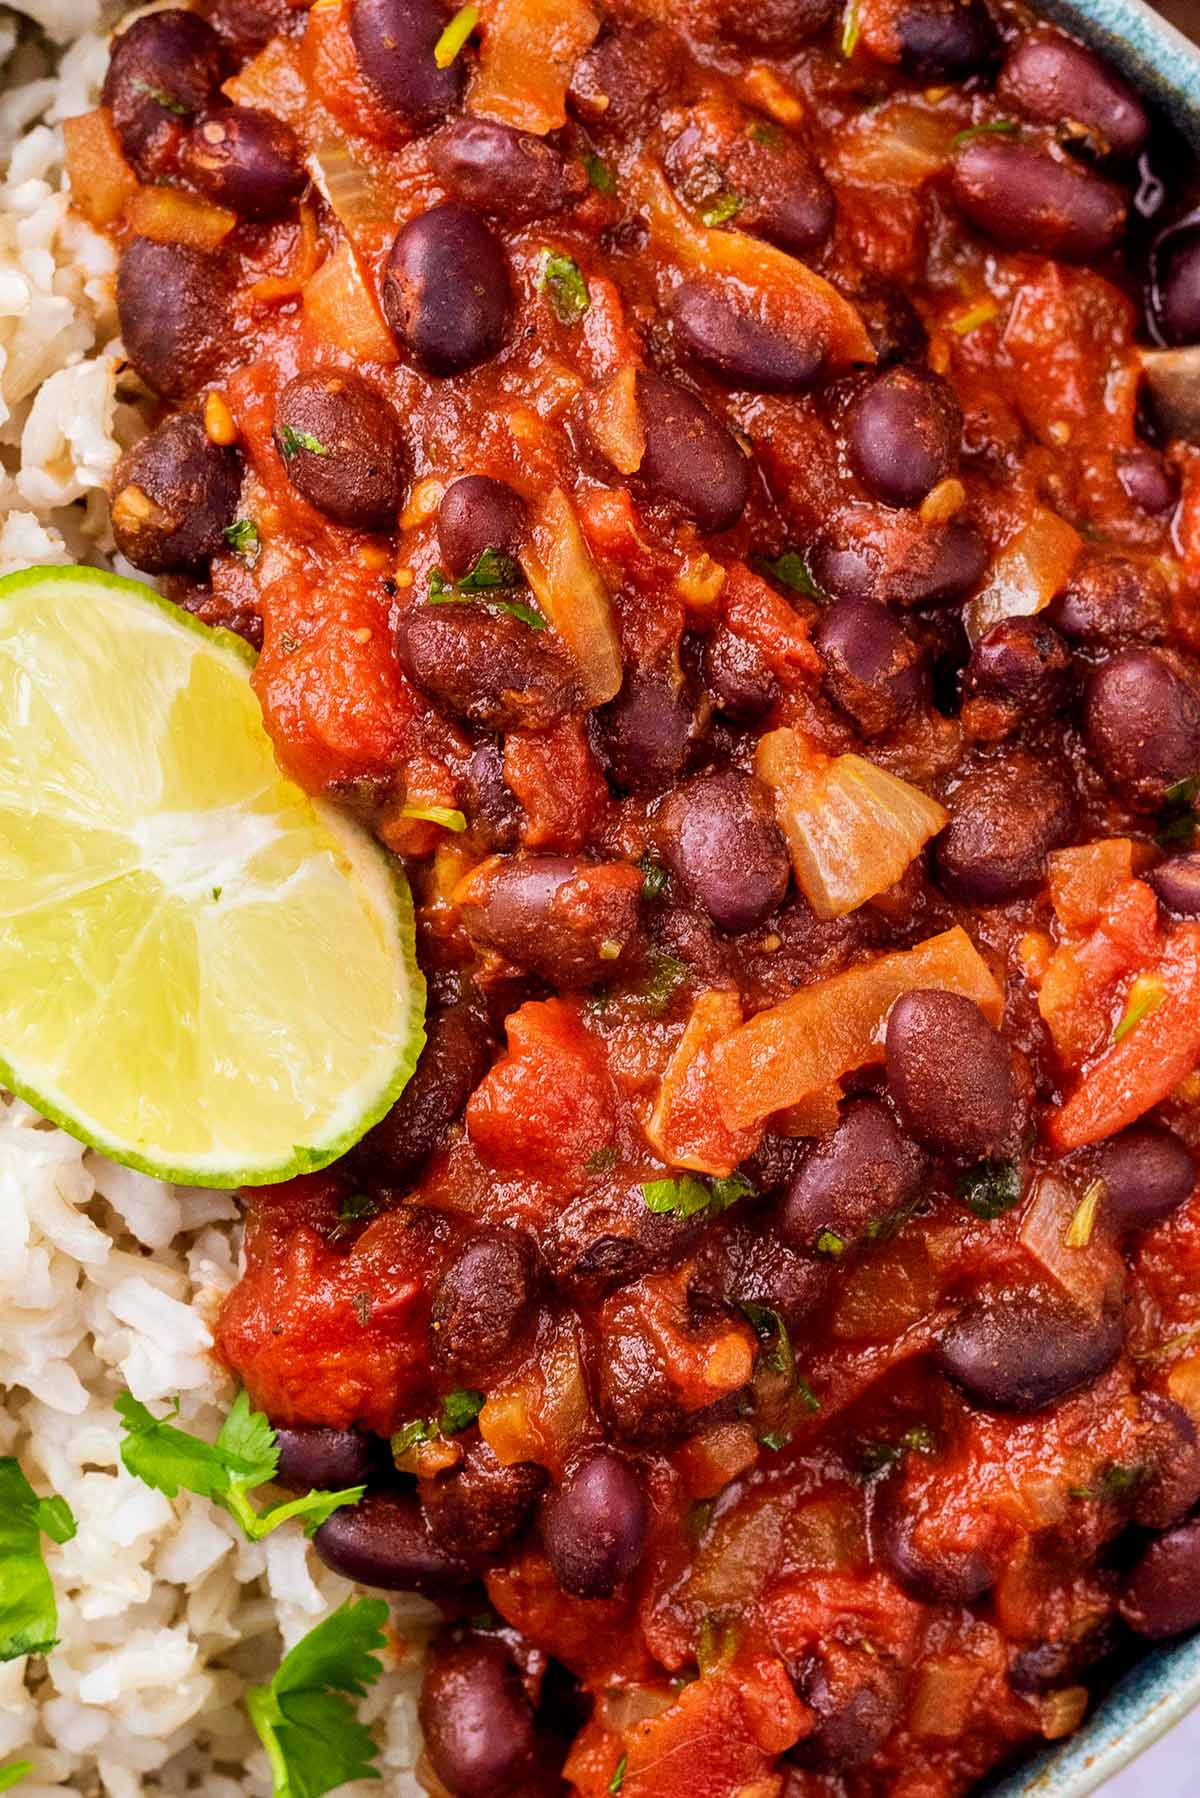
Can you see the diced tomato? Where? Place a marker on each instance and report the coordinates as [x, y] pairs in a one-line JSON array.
[[547, 1106], [332, 70], [685, 1128], [754, 610], [554, 775], [582, 1633], [1121, 935]]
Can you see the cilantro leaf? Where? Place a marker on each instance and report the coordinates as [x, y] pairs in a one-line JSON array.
[[291, 442], [162, 98], [791, 570], [304, 1718], [560, 278], [598, 173], [688, 1194], [418, 1429], [618, 1778], [772, 1332], [654, 877], [1177, 819], [774, 1440], [522, 609], [243, 538], [28, 1612], [989, 128], [493, 569], [460, 1408], [245, 1455], [990, 1188], [13, 1773], [494, 572], [724, 207], [830, 1243]]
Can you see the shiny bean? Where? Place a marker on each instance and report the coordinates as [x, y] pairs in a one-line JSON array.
[[451, 1065], [945, 40], [866, 1170], [950, 1074], [594, 1526], [935, 1573], [1006, 815], [1148, 1173], [488, 667], [643, 734], [1142, 723], [394, 40], [1170, 1486], [244, 159], [493, 808], [511, 174], [724, 847], [1161, 1595], [478, 513], [1023, 199], [739, 677], [173, 495], [557, 915], [316, 1459], [1057, 81], [1177, 311], [901, 562], [1111, 598], [779, 189], [384, 1541], [619, 84], [1023, 1350], [872, 668], [483, 1303], [1019, 670], [342, 449], [163, 69], [691, 462], [857, 1700], [903, 434], [1177, 883], [446, 294], [175, 309], [755, 1264], [246, 25], [768, 24], [738, 348], [1146, 480], [480, 1506], [605, 1237], [477, 1720]]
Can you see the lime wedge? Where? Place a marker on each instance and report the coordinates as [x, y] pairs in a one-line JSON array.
[[203, 972]]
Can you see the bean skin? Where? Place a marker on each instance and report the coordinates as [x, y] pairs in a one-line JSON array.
[[478, 513], [508, 173], [691, 462], [872, 668], [856, 1697], [247, 160], [619, 84], [1025, 200], [737, 348], [483, 1304], [316, 1459], [945, 40], [1021, 1351], [384, 1541], [487, 667], [480, 1506], [864, 1171], [1006, 815], [358, 470], [175, 313], [1177, 883], [893, 324], [492, 807], [173, 495], [739, 677], [477, 1720], [446, 293], [1170, 1450], [950, 1074], [903, 434], [594, 1526], [552, 914], [171, 56], [643, 734], [1111, 599], [1020, 670], [394, 40], [1161, 1595], [906, 564], [1176, 301], [934, 1575], [451, 1065], [723, 845], [1148, 1173], [1142, 723], [757, 1264], [1146, 480], [1055, 80]]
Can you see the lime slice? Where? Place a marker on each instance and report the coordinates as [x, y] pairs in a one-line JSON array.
[[203, 972]]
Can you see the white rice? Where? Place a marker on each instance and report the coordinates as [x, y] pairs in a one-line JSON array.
[[109, 1280]]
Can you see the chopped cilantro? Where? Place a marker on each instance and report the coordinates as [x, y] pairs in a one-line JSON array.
[[454, 37], [245, 1455], [1177, 819], [242, 537], [990, 1188], [216, 892], [560, 278], [599, 174], [830, 1243], [688, 1195], [764, 133], [882, 1229], [460, 1408], [304, 1718], [28, 1612], [161, 97], [1113, 1482], [727, 1190], [493, 569], [1083, 1218], [291, 442], [876, 1457], [353, 1209], [1145, 995], [493, 573], [13, 1774], [716, 1646], [448, 816], [667, 973], [618, 1778], [806, 1395], [421, 1429], [771, 1330], [522, 609], [774, 1439], [726, 206], [851, 25], [989, 128], [654, 878], [791, 570]]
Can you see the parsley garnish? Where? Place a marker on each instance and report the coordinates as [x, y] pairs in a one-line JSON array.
[[304, 1718], [559, 277], [654, 878], [1177, 819], [28, 1612], [725, 207], [990, 128], [990, 1188], [618, 1778], [1145, 995], [1114, 1481], [599, 174], [13, 1774], [791, 570], [419, 1429], [689, 1195], [455, 35], [353, 1209], [830, 1243], [493, 569], [291, 442], [242, 537], [162, 98], [522, 609], [244, 1456]]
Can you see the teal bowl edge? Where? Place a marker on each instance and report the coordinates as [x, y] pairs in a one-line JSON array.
[[1164, 1685]]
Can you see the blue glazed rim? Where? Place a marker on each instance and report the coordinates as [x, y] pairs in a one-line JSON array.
[[1165, 1684]]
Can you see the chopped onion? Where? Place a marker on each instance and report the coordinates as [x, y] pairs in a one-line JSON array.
[[902, 143], [1052, 1232], [852, 828], [1173, 380], [168, 215], [1033, 566], [342, 309], [944, 1687], [273, 81], [614, 421], [527, 58], [572, 596], [685, 1128], [102, 182], [347, 186]]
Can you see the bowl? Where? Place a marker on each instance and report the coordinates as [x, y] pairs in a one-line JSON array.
[[1165, 1683]]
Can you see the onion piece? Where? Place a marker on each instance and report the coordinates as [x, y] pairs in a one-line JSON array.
[[340, 306], [1173, 380], [852, 828], [102, 182], [527, 58], [901, 143], [273, 81], [168, 215], [1034, 565], [348, 187], [685, 1128], [614, 421], [1085, 1273], [570, 593]]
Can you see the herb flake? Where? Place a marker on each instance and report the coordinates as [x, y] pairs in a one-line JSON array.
[[459, 1410], [618, 1778], [1145, 995], [454, 37], [243, 538], [291, 442], [560, 278], [791, 570], [1177, 820], [990, 1188], [599, 175], [989, 128], [722, 209], [13, 1774], [447, 816]]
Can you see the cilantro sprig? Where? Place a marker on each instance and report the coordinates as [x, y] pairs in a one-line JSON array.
[[792, 571], [304, 1718], [244, 1456], [28, 1612], [688, 1195], [493, 574]]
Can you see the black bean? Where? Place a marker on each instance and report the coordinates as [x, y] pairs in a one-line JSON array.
[[312, 1458], [866, 1170], [724, 847], [451, 1064], [1057, 81], [739, 677], [643, 734], [173, 495], [903, 434], [945, 40], [752, 1263], [1142, 723], [446, 294], [594, 1526], [394, 40], [1177, 307], [247, 160], [1148, 1173], [1023, 1350], [872, 668], [857, 1699], [175, 309], [478, 513], [1023, 199], [725, 157], [937, 1574], [740, 349], [163, 70], [477, 1720], [509, 173], [1177, 883], [1006, 815], [342, 448], [557, 915], [770, 24], [492, 807], [247, 25], [908, 564], [480, 1506], [1060, 1662], [950, 1074], [1111, 598], [488, 667], [1146, 480], [1170, 1448], [691, 462], [384, 1541], [483, 1303], [607, 1236], [619, 83], [1161, 1595], [1019, 670]]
